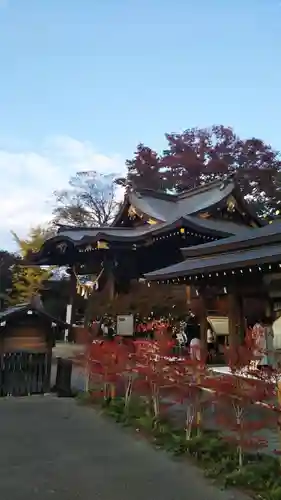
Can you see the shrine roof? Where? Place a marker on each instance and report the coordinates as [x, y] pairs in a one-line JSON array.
[[79, 235], [246, 238], [165, 207], [217, 263], [171, 212], [20, 310], [216, 226]]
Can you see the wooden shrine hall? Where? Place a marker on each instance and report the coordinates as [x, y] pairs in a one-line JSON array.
[[148, 234], [245, 265]]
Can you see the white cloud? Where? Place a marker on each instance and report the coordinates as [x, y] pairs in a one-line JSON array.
[[28, 179]]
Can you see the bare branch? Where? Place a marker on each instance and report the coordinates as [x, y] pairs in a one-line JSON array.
[[90, 200]]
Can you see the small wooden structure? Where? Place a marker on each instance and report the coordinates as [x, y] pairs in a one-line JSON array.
[[26, 341]]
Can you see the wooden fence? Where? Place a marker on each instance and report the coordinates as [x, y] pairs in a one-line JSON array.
[[24, 373]]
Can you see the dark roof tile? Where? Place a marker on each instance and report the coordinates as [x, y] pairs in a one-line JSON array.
[[80, 236], [244, 239], [221, 262], [23, 308], [165, 207]]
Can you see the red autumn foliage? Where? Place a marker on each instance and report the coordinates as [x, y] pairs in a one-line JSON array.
[[200, 155], [235, 394], [143, 169], [147, 369], [188, 389], [154, 367], [107, 362], [268, 379]]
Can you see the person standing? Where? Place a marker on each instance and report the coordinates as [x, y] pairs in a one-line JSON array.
[[211, 343], [104, 328], [263, 336], [195, 349], [192, 328]]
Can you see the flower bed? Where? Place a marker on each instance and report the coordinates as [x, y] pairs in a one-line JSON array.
[[137, 386]]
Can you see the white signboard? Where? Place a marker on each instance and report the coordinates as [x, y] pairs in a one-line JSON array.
[[125, 325]]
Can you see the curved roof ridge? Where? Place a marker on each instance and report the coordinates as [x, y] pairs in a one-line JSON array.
[[221, 183], [157, 194]]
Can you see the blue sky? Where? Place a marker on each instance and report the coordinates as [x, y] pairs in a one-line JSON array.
[[82, 82]]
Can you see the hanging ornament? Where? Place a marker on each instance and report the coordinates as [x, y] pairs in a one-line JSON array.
[[102, 245], [231, 204], [151, 222], [85, 289]]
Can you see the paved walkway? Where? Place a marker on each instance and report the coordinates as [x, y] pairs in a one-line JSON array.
[[55, 449]]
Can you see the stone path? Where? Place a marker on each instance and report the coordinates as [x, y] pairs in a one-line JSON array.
[[53, 448]]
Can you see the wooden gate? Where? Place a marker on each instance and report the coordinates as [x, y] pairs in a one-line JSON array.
[[24, 373]]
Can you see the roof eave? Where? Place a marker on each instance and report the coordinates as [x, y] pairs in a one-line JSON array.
[[160, 275], [226, 244], [41, 312], [154, 230]]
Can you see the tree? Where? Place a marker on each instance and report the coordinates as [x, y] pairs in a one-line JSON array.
[[200, 155], [144, 169], [29, 281], [7, 260], [90, 200]]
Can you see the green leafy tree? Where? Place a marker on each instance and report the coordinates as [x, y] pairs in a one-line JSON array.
[[7, 261], [29, 281]]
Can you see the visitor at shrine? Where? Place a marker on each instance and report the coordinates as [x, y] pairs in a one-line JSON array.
[[211, 343], [195, 349], [104, 328], [192, 328], [110, 330], [263, 336]]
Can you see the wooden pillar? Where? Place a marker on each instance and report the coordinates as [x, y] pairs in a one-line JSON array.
[[232, 320], [71, 300], [269, 308], [110, 279], [203, 318], [110, 286], [236, 322], [188, 295]]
